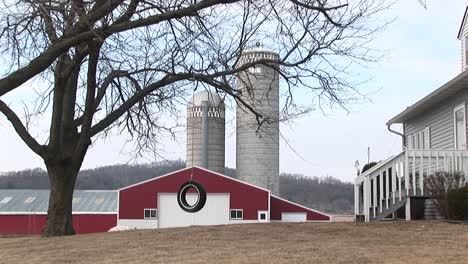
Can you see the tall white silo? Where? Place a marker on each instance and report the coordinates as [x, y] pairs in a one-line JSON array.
[[257, 148], [205, 131]]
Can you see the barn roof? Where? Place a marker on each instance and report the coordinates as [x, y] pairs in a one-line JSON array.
[[28, 201], [191, 168]]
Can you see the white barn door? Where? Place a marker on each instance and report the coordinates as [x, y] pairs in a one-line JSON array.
[[215, 211], [293, 217]]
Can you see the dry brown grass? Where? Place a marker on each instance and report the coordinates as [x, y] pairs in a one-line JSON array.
[[383, 242]]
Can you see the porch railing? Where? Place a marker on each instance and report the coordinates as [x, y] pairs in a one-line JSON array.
[[403, 175]]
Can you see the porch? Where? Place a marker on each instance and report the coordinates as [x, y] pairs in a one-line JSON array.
[[392, 184]]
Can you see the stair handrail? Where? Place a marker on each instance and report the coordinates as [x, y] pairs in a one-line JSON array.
[[379, 165]]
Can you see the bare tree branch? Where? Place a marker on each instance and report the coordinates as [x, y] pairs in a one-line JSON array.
[[22, 131]]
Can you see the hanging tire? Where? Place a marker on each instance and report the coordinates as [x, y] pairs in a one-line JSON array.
[[182, 197]]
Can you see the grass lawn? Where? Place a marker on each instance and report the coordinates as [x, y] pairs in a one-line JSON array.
[[380, 242]]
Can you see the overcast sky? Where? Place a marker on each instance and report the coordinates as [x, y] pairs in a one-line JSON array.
[[424, 53]]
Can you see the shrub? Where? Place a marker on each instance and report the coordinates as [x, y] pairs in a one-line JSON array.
[[447, 191], [368, 166], [458, 203]]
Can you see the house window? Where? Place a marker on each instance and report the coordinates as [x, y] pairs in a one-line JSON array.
[[6, 200], [420, 140], [460, 126], [262, 216], [76, 200], [151, 213], [236, 214]]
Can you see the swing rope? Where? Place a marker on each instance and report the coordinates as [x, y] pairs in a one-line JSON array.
[[193, 119], [192, 133]]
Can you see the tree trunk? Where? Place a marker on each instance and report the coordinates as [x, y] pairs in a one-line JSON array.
[[62, 178]]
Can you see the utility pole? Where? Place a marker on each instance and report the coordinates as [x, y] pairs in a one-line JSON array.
[[368, 155]]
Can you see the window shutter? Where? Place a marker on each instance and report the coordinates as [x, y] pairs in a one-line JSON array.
[[466, 52], [427, 137], [420, 140], [409, 144]]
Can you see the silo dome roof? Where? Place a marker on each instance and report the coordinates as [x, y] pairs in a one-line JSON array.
[[212, 98], [259, 48]]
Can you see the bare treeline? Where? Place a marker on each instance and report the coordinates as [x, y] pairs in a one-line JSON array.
[[325, 194]]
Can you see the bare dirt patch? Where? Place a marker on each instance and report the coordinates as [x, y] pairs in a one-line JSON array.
[[383, 242]]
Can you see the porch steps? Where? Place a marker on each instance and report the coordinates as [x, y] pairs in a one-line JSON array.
[[430, 211], [391, 209]]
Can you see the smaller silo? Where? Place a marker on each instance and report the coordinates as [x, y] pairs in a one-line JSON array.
[[206, 131]]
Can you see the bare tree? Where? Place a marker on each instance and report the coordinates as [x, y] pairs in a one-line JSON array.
[[114, 64]]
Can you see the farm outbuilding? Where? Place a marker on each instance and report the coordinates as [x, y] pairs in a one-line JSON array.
[[229, 201], [24, 212], [154, 204]]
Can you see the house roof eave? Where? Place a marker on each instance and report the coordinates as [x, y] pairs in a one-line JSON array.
[[460, 31], [446, 90]]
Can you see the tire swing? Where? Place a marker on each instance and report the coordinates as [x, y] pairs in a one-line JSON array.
[[182, 197]]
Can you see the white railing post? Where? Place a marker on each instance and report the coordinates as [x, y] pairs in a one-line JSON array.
[[387, 187], [407, 174], [366, 199], [421, 175], [429, 168], [465, 163], [356, 199], [414, 173], [375, 196], [381, 191], [393, 181], [453, 162], [445, 161], [460, 161], [400, 176], [371, 204]]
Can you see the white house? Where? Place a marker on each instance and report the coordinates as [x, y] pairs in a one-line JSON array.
[[434, 139]]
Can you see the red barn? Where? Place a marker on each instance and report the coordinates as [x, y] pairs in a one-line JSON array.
[[153, 204]]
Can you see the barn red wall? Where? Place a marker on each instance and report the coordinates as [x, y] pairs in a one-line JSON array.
[[134, 200], [278, 206], [34, 224], [22, 224], [93, 223]]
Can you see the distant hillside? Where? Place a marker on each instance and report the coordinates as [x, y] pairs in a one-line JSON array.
[[325, 194]]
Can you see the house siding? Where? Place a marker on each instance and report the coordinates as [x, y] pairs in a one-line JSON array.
[[440, 120]]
